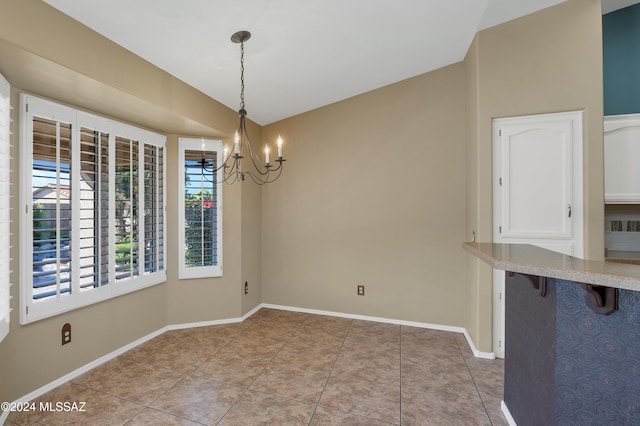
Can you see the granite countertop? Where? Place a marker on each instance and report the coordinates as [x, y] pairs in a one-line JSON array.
[[528, 259]]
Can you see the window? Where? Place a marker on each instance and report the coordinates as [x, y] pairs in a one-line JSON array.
[[5, 111], [200, 201], [93, 194]]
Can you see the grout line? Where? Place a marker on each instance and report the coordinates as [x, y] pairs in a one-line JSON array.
[[473, 379], [326, 382], [265, 367]]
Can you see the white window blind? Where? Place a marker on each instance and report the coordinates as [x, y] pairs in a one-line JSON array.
[[93, 191], [200, 208], [5, 112]]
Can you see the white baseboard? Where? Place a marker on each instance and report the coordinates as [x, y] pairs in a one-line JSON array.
[[204, 323], [251, 312], [476, 352], [507, 414], [366, 318], [108, 357]]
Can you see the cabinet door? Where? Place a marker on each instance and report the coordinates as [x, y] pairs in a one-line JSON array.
[[538, 181], [622, 159]]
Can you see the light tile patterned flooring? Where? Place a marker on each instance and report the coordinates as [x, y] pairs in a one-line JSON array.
[[287, 368]]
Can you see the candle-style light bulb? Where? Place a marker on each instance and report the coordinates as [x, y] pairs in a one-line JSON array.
[[236, 145], [266, 155], [226, 151], [279, 146]]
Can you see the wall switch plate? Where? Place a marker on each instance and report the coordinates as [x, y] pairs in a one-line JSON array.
[[360, 290]]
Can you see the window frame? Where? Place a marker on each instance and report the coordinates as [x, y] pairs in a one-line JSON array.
[[184, 271], [33, 310], [5, 198]]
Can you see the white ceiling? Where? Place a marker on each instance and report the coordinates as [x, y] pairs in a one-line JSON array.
[[303, 54], [613, 5]]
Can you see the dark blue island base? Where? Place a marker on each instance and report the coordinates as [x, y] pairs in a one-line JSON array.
[[565, 363]]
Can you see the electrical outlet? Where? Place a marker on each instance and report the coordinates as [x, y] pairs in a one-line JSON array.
[[66, 333], [246, 287], [360, 290]]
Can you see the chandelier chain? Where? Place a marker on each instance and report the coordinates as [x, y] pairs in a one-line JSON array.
[[242, 75]]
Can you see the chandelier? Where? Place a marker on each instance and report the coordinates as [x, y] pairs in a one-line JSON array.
[[259, 171]]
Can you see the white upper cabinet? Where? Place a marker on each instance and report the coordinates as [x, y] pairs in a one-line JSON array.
[[622, 159]]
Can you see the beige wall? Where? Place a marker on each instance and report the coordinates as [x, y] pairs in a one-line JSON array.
[[352, 209], [549, 61], [251, 215], [204, 299], [380, 189], [478, 321], [78, 67], [373, 194]]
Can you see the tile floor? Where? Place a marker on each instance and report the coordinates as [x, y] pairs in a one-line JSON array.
[[287, 368]]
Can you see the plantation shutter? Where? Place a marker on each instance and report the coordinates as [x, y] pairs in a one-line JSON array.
[[51, 208], [127, 219], [94, 209], [93, 193], [200, 208], [5, 110], [200, 213], [153, 208]]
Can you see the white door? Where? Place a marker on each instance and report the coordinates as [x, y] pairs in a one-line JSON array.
[[537, 190]]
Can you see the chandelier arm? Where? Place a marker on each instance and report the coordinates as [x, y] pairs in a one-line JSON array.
[[255, 178], [209, 170], [225, 161], [206, 178], [263, 171], [231, 177], [260, 181], [254, 158], [234, 168], [242, 128], [275, 169], [203, 168], [279, 170], [244, 138], [222, 165]]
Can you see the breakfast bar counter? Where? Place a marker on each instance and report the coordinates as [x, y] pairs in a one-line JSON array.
[[572, 337], [532, 260]]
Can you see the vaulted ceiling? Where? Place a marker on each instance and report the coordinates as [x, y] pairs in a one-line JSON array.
[[303, 54]]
